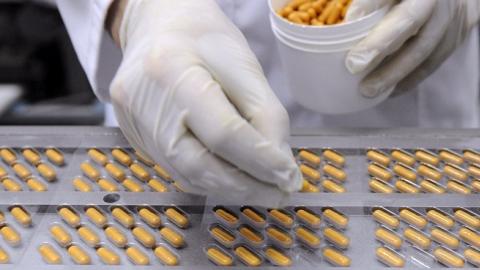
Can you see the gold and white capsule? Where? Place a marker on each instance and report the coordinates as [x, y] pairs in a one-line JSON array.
[[150, 217], [31, 156], [379, 172], [403, 157], [90, 171], [386, 218], [122, 157], [378, 157], [69, 216], [467, 218], [413, 218], [60, 235], [55, 156], [334, 157], [96, 217], [309, 157], [450, 157], [379, 186], [49, 254], [98, 156], [81, 185], [140, 172]]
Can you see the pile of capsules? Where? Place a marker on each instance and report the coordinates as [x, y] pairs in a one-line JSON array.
[[129, 172], [315, 12], [449, 236], [330, 173], [426, 171], [117, 235], [253, 235], [11, 235], [32, 158]]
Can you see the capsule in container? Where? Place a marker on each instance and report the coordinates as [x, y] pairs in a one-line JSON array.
[[378, 186], [218, 256], [61, 235], [440, 218], [251, 214], [81, 185], [403, 157], [108, 256], [332, 187], [308, 217], [281, 217], [172, 237], [132, 185], [474, 171], [49, 254], [150, 217], [467, 218], [334, 157], [472, 256], [251, 235], [279, 236], [472, 156], [405, 172], [336, 258], [469, 236], [429, 172], [405, 186], [226, 216], [457, 187], [137, 256], [386, 218], [8, 155], [90, 171], [116, 236], [122, 157], [35, 185], [47, 172], [389, 257], [337, 238], [96, 216], [115, 172], [455, 172], [31, 156], [79, 255], [309, 172], [335, 218], [413, 218], [140, 172], [247, 256], [160, 171], [417, 238], [222, 235], [378, 157], [21, 216], [448, 258], [107, 185], [379, 172], [4, 257], [450, 157], [55, 156], [21, 171], [432, 187], [307, 237], [89, 236], [334, 173], [445, 238], [309, 157], [10, 235], [177, 217], [388, 237], [277, 257], [69, 216], [144, 237], [428, 157], [123, 217], [98, 156], [308, 187], [157, 186]]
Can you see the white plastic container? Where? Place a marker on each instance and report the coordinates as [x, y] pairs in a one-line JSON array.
[[314, 61]]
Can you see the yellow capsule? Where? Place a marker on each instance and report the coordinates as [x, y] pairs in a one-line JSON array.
[[472, 170], [157, 186], [4, 258], [334, 157], [47, 172], [3, 172], [21, 171], [389, 257], [457, 187], [166, 256], [379, 172], [81, 185], [97, 156], [405, 187], [417, 238], [430, 187], [116, 172], [448, 258], [309, 157], [247, 256], [309, 218], [11, 185], [107, 185], [123, 217], [427, 157], [277, 257], [140, 172], [10, 236], [335, 173], [307, 237], [96, 217], [387, 237], [144, 237], [332, 187], [467, 218], [336, 258], [172, 237], [251, 235], [151, 218], [337, 238], [160, 171], [90, 171], [309, 172], [137, 256], [219, 257], [450, 157], [475, 185], [472, 156], [70, 217], [226, 216], [177, 217], [254, 216], [445, 238], [472, 255], [336, 218], [108, 256], [88, 236], [281, 217], [378, 157], [386, 218], [31, 156], [132, 186], [116, 236], [8, 156], [429, 172], [403, 157], [122, 157], [49, 254], [36, 185], [222, 236], [21, 216], [308, 187], [413, 218], [281, 237], [455, 173], [177, 186], [440, 218], [60, 235], [470, 236], [147, 161], [380, 187], [405, 172], [2, 217], [55, 156]]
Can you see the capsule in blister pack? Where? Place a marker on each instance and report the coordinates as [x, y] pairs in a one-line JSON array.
[[281, 217], [308, 217], [226, 216], [222, 235], [253, 216], [218, 256], [279, 236], [389, 257], [335, 218], [386, 217]]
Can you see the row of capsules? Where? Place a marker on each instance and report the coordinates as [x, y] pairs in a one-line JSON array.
[[424, 171], [315, 12], [447, 236], [10, 235], [115, 169], [118, 236], [330, 172], [255, 235], [34, 158]]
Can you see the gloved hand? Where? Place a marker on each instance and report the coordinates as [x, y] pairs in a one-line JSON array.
[[411, 42], [190, 92]]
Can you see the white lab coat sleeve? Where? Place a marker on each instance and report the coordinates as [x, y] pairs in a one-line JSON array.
[[96, 51]]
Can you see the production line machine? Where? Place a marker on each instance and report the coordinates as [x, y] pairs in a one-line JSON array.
[[81, 198]]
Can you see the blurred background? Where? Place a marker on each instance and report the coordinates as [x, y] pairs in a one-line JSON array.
[[41, 80]]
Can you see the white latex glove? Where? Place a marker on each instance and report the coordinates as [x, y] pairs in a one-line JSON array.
[[411, 42], [190, 92]]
